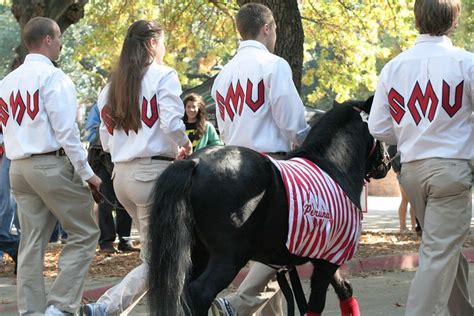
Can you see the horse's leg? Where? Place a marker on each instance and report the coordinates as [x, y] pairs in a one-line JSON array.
[[219, 272], [322, 276], [347, 303]]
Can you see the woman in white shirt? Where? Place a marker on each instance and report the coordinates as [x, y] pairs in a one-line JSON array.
[[142, 128]]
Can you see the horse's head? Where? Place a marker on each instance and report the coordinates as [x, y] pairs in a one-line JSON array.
[[378, 160]]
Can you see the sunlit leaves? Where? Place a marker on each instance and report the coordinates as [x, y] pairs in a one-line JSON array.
[[9, 37], [196, 32], [347, 42]]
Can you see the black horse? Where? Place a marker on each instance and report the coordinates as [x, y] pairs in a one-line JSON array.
[[224, 206]]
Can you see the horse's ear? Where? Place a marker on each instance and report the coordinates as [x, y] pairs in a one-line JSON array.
[[368, 104]]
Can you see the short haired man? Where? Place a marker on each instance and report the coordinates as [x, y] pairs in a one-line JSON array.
[[423, 103], [49, 164], [258, 107]]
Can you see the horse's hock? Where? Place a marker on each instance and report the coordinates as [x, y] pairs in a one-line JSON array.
[[387, 186]]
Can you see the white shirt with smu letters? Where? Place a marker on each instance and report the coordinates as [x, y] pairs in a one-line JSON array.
[[257, 103], [162, 112], [424, 101], [38, 111]]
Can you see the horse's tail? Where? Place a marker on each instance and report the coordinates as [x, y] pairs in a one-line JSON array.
[[170, 239]]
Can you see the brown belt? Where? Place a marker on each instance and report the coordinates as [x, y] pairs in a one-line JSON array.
[[162, 158], [59, 152], [277, 155]]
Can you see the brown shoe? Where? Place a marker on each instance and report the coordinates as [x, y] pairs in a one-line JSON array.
[[127, 247]]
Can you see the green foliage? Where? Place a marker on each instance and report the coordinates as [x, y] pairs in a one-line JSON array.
[[464, 34], [93, 45], [197, 35], [347, 42], [9, 37], [200, 36]]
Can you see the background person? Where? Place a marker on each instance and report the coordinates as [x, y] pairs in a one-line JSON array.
[[9, 243], [143, 130], [201, 133], [47, 174], [423, 103], [403, 207], [101, 163]]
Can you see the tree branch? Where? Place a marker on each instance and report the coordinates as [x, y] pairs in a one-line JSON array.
[[347, 8]]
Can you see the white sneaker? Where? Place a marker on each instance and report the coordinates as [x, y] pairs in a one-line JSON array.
[[222, 307], [52, 310], [94, 309]]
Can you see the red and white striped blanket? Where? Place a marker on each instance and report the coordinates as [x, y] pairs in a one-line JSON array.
[[323, 221]]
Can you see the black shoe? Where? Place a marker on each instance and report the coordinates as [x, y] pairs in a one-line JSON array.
[[108, 250], [418, 230], [127, 247]]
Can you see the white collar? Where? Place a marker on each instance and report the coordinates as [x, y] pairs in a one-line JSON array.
[[252, 43], [38, 57], [426, 38]]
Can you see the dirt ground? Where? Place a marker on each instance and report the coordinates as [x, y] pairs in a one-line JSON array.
[[117, 265], [387, 186]]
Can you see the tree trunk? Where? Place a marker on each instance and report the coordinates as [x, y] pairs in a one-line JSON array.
[[64, 12], [290, 34]]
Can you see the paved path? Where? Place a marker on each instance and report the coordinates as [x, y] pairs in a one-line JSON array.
[[383, 214], [379, 293]]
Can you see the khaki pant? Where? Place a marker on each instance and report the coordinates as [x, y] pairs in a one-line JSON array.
[[48, 190], [259, 293], [440, 192], [133, 183]]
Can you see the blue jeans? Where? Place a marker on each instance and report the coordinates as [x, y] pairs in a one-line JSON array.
[[8, 242]]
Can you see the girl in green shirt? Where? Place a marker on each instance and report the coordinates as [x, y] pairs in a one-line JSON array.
[[201, 133]]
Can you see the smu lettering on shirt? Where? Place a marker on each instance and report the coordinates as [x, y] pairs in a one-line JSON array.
[[257, 105], [427, 109], [323, 221], [161, 111], [38, 111]]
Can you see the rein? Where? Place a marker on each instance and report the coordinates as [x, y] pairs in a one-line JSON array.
[[385, 161], [291, 294], [106, 200], [372, 150], [100, 198], [365, 119]]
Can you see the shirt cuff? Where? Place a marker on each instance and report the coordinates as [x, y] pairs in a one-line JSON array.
[[182, 139], [301, 135], [86, 173]]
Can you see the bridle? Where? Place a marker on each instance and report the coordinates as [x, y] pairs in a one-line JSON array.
[[384, 164]]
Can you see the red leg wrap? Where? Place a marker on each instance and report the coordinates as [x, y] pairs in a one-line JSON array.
[[349, 307]]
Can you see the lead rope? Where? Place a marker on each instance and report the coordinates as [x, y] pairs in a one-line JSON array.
[[291, 295]]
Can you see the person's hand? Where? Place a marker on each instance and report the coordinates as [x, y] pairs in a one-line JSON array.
[[186, 150], [94, 184]]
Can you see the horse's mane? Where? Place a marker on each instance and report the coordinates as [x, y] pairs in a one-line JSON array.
[[335, 142], [321, 135]]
